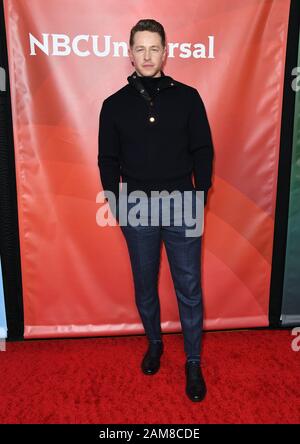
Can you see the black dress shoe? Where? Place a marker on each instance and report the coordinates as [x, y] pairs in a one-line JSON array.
[[151, 361], [195, 384]]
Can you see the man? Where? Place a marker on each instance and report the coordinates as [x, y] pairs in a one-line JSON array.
[[154, 133]]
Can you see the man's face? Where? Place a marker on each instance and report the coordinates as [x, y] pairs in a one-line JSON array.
[[147, 53]]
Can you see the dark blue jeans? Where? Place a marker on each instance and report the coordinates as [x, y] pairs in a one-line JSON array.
[[184, 257]]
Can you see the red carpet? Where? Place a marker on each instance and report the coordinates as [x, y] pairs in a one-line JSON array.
[[252, 377]]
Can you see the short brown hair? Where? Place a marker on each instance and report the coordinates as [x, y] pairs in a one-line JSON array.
[[148, 25]]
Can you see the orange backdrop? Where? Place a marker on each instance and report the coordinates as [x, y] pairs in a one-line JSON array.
[[76, 275]]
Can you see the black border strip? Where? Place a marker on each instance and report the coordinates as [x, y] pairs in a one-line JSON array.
[[9, 225], [284, 169]]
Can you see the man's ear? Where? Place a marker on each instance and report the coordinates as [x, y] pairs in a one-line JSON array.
[[130, 54]]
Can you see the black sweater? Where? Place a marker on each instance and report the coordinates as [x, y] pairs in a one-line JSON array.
[[154, 133]]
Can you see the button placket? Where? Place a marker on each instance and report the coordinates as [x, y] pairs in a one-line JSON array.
[[152, 117]]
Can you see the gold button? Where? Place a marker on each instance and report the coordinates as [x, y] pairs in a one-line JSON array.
[[152, 119]]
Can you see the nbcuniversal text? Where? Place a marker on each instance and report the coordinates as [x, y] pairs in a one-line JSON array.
[[85, 45]]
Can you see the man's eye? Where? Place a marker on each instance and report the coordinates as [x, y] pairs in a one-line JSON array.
[[153, 49]]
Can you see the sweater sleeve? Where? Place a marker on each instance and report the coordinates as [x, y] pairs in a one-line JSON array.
[[108, 151], [200, 143]]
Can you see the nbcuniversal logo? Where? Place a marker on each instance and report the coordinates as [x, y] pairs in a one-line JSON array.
[[85, 45]]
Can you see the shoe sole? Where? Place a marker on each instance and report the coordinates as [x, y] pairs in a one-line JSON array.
[[151, 372], [195, 399]]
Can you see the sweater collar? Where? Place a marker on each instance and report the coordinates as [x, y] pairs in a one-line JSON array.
[[163, 83]]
